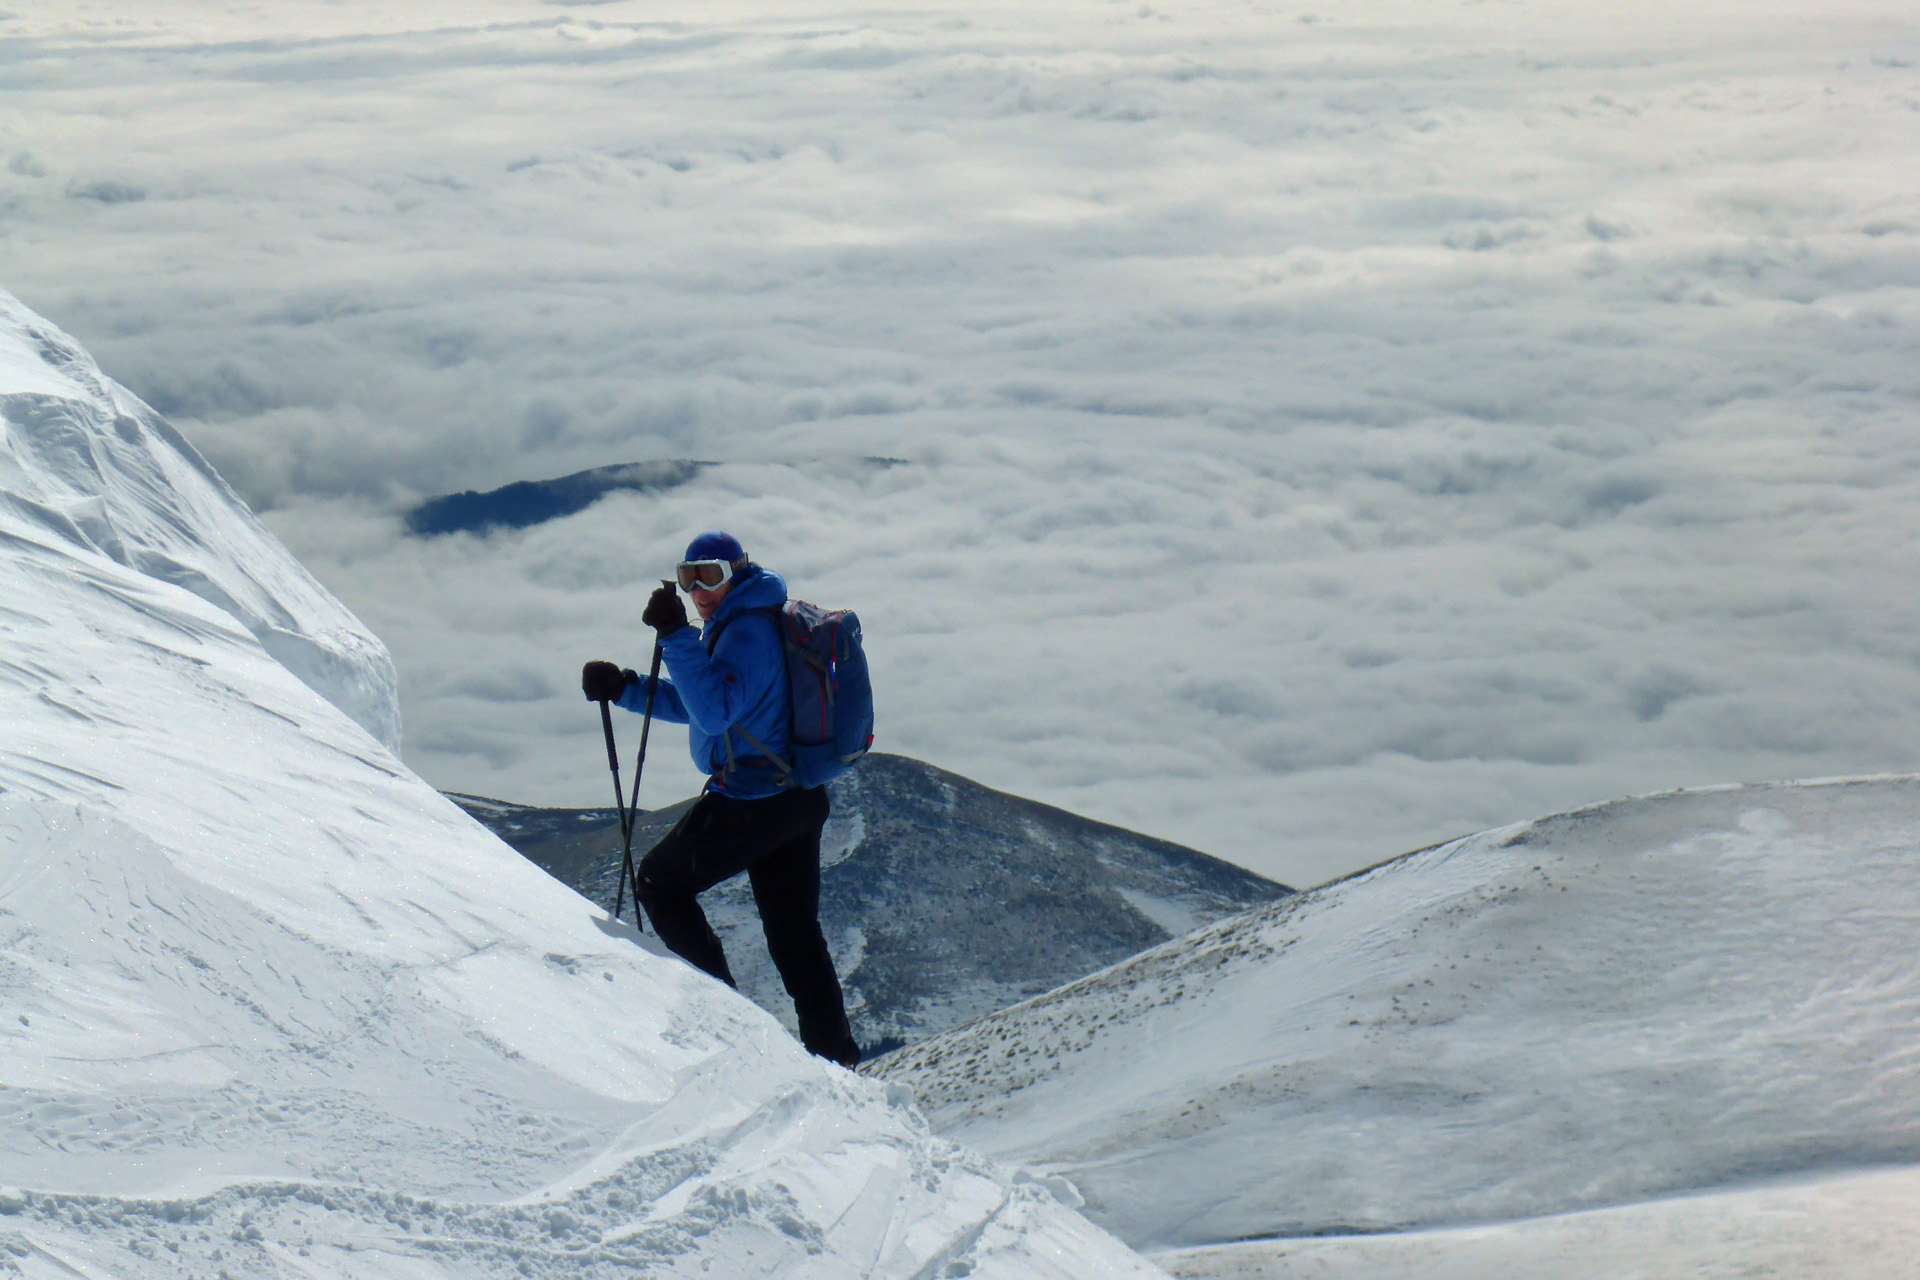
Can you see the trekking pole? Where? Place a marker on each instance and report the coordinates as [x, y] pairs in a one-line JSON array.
[[619, 800], [640, 762]]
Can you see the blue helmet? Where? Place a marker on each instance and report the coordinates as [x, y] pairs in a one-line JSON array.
[[716, 546]]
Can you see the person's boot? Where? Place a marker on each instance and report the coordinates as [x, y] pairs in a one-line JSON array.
[[833, 1041]]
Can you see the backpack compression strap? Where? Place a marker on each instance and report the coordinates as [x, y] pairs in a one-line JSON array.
[[786, 770]]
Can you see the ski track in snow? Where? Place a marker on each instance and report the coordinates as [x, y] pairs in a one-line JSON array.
[[271, 1006]]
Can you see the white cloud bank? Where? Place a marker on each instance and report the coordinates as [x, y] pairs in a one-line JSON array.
[[1327, 427]]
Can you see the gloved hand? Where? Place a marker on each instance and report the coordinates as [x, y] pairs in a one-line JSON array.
[[604, 682], [664, 613]]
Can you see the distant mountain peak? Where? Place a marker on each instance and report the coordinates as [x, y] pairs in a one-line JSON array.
[[526, 503]]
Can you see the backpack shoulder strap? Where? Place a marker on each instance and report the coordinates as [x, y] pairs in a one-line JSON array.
[[775, 614]]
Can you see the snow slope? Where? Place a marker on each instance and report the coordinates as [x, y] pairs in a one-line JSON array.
[[1859, 1225], [1680, 993], [273, 1007], [85, 462]]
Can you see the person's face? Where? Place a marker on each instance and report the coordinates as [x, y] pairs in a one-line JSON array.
[[706, 600]]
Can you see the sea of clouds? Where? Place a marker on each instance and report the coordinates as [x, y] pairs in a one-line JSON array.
[[1303, 430]]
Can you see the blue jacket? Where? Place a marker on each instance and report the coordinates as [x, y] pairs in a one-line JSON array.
[[742, 682]]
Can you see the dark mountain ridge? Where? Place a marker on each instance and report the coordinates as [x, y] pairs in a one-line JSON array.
[[525, 503], [941, 899]]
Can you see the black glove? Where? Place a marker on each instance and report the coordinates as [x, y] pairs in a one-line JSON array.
[[604, 682], [665, 614]]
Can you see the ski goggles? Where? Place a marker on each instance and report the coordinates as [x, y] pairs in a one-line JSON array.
[[708, 574]]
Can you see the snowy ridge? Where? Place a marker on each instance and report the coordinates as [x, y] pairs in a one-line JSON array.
[[82, 459], [1676, 994], [276, 1008]]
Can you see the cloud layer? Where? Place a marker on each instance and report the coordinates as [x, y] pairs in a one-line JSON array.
[[1322, 429]]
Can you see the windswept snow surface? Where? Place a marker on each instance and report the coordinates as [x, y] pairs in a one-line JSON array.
[[1854, 1226], [1673, 994], [84, 461], [273, 1007]]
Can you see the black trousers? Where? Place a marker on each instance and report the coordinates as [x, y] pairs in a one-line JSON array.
[[776, 841]]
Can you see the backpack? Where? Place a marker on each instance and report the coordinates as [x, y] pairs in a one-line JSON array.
[[829, 695]]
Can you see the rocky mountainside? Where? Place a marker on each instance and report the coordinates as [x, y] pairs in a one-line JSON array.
[[943, 900]]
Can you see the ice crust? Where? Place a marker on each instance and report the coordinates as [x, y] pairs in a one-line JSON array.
[[275, 1008]]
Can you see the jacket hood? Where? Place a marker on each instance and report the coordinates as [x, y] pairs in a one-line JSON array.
[[756, 589]]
